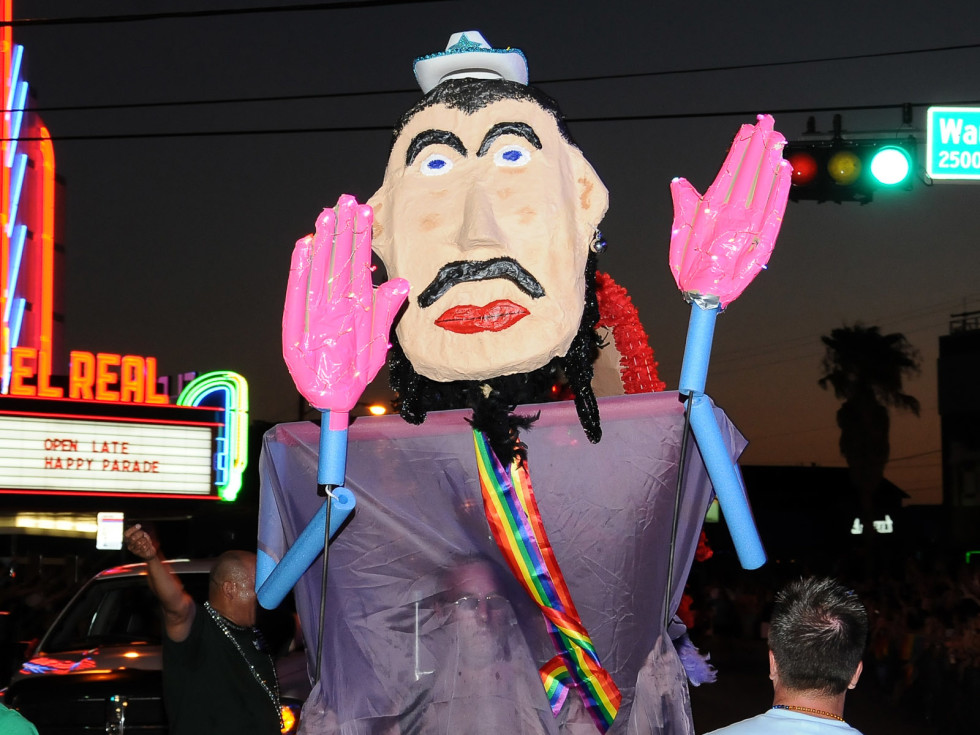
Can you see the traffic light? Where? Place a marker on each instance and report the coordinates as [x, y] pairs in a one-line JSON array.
[[839, 170]]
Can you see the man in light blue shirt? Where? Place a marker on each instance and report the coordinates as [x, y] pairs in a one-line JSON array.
[[817, 637]]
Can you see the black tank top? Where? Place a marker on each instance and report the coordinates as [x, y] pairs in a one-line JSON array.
[[209, 688]]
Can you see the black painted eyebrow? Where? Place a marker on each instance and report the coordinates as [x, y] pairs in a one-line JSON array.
[[522, 130], [433, 137]]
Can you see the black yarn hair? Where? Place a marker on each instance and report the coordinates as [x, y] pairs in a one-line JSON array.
[[493, 401], [472, 95]]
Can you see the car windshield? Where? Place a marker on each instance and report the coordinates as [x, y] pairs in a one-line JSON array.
[[115, 611]]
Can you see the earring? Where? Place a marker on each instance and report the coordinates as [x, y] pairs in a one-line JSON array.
[[598, 244]]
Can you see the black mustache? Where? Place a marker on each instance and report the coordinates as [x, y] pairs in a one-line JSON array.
[[463, 271]]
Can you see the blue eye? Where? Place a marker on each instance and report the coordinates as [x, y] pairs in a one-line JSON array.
[[512, 155], [435, 164]]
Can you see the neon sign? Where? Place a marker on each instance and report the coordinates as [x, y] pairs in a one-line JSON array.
[[27, 344], [232, 455], [104, 377], [66, 455], [26, 283], [73, 456]]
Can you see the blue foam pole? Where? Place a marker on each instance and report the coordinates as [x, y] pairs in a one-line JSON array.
[[331, 468], [697, 350], [305, 549], [727, 482], [264, 565]]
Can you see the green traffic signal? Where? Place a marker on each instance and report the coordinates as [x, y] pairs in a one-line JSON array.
[[891, 165]]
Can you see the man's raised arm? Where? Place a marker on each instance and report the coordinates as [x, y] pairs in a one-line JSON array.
[[178, 606]]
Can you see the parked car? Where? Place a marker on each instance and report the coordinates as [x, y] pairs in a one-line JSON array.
[[97, 669]]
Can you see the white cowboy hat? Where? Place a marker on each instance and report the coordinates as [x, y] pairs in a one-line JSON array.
[[468, 55]]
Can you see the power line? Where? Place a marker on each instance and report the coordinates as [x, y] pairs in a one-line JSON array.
[[195, 14], [766, 64], [209, 133], [571, 120], [778, 111], [934, 308], [929, 453], [227, 101], [544, 82], [810, 347]]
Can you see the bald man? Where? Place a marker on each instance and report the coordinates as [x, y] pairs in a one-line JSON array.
[[218, 674]]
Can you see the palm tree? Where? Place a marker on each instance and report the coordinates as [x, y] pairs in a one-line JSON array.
[[865, 369]]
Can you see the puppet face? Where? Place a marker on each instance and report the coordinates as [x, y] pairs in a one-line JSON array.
[[489, 217]]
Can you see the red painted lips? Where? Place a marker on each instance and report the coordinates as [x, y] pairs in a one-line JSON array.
[[494, 317]]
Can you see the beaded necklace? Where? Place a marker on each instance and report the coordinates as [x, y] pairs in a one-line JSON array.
[[224, 626], [809, 711]]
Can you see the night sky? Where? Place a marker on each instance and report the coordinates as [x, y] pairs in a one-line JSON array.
[[178, 246]]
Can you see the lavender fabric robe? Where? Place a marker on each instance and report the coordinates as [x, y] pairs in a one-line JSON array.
[[400, 655]]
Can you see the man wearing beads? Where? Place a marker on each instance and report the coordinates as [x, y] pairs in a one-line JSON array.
[[817, 637], [218, 674]]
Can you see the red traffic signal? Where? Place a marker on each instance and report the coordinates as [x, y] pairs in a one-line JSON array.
[[805, 166]]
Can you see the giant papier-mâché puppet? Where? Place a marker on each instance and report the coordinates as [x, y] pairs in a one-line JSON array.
[[439, 618]]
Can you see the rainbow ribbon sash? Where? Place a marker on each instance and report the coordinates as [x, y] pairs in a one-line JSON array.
[[515, 522]]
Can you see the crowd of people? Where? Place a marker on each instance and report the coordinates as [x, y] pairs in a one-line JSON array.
[[925, 642], [923, 653]]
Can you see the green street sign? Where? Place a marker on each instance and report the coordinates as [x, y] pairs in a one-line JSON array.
[[953, 142]]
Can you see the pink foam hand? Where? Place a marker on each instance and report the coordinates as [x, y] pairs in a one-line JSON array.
[[335, 323], [720, 242]]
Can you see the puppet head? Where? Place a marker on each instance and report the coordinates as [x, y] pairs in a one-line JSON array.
[[488, 210], [491, 212]]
